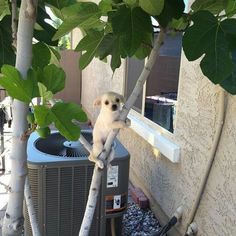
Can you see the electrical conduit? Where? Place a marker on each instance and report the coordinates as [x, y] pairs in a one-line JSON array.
[[191, 230]]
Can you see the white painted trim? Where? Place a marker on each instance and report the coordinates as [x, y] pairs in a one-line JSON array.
[[144, 97], [154, 136]]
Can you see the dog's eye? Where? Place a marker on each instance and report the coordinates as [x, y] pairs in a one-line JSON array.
[[118, 100], [106, 102]]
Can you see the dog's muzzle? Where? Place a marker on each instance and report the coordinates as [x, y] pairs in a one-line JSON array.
[[114, 107]]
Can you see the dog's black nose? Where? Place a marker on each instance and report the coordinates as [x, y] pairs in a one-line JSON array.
[[114, 107]]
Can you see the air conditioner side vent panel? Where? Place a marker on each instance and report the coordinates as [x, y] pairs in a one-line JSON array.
[[60, 187]]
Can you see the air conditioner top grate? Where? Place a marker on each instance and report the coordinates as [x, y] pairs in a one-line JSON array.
[[73, 149], [57, 145]]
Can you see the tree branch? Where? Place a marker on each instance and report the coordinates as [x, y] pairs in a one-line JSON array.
[[31, 9], [97, 173], [86, 144], [30, 208], [14, 22]]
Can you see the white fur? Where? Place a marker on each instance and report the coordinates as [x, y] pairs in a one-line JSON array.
[[107, 120]]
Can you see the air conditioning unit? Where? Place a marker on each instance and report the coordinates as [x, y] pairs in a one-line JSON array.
[[60, 175]]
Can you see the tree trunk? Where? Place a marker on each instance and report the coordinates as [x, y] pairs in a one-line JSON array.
[[14, 220], [97, 173]]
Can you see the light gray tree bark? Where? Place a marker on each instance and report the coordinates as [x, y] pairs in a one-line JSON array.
[[30, 207], [13, 220], [97, 173]]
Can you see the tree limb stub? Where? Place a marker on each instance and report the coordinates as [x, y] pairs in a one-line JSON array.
[[31, 9]]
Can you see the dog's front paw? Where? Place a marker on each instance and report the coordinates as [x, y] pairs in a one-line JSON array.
[[98, 162], [127, 122], [91, 157]]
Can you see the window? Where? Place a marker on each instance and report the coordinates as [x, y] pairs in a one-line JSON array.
[[159, 97]]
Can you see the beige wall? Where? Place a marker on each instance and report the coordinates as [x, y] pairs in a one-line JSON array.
[[70, 64]]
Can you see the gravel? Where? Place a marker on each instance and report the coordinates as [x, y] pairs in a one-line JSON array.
[[139, 222]]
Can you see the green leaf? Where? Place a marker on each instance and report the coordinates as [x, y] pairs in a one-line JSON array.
[[42, 115], [229, 84], [16, 86], [43, 132], [105, 6], [116, 54], [90, 43], [55, 56], [132, 34], [7, 54], [82, 14], [41, 55], [145, 48], [207, 37], [132, 2], [143, 51], [44, 55], [230, 9], [117, 1], [106, 46], [53, 78], [66, 27], [30, 118], [46, 30], [61, 3], [152, 7], [63, 115], [111, 45], [217, 64], [214, 6], [172, 9], [200, 36], [33, 78], [132, 24], [44, 93], [229, 26], [4, 9], [179, 24], [231, 40], [76, 8]]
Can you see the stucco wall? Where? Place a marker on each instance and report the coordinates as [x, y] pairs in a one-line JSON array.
[[217, 211]]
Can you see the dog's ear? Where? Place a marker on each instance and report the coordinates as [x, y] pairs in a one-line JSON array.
[[122, 99], [97, 102]]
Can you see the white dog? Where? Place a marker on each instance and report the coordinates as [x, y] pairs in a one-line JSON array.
[[108, 119]]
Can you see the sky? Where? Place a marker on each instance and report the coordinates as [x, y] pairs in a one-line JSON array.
[[186, 5]]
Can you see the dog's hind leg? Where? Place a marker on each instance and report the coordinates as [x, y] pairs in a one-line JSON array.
[[96, 151]]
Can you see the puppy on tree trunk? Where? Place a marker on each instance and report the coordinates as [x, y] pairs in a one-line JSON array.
[[108, 119]]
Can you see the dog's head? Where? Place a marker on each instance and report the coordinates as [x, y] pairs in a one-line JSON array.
[[110, 101]]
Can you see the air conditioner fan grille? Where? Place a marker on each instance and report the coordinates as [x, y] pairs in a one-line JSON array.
[[58, 146]]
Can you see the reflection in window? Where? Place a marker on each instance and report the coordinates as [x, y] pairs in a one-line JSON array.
[[159, 96]]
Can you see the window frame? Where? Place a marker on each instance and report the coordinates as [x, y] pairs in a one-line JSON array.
[[157, 136]]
